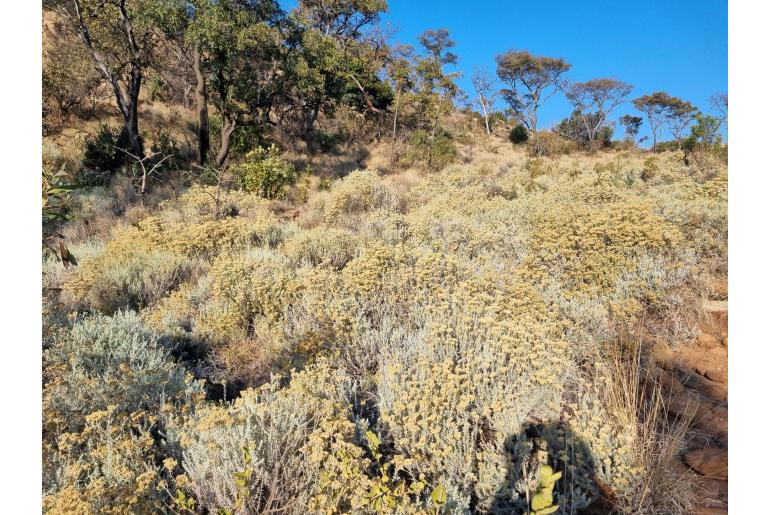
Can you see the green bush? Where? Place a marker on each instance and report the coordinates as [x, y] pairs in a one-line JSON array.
[[101, 156], [434, 151], [518, 135], [266, 173]]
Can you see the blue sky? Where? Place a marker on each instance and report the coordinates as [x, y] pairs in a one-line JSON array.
[[677, 46]]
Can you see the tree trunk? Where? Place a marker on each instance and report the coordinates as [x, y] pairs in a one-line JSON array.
[[228, 127], [202, 103], [310, 119], [486, 115], [395, 114], [131, 113]]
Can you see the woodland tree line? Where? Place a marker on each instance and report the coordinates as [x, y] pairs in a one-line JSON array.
[[266, 71]]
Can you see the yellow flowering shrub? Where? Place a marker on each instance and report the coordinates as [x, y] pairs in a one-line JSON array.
[[440, 326]]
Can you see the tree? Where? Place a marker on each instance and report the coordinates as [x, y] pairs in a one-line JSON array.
[[632, 125], [236, 48], [659, 107], [185, 33], [594, 100], [400, 72], [679, 118], [332, 53], [718, 103], [436, 89], [485, 90], [69, 76], [575, 129], [540, 77], [704, 135], [120, 36], [343, 20]]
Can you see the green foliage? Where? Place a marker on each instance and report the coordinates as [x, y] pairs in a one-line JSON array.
[[434, 152], [266, 173], [101, 156], [574, 129], [518, 135], [542, 499]]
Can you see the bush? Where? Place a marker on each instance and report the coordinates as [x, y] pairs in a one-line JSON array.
[[134, 271], [434, 152], [547, 144], [101, 156], [518, 135], [266, 173], [107, 381]]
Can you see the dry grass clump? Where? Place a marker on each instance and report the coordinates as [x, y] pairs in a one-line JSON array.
[[442, 326]]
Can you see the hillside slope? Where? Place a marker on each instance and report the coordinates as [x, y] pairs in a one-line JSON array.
[[406, 341]]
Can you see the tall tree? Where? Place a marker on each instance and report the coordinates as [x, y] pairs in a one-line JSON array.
[[594, 100], [333, 52], [656, 107], [436, 88], [663, 109], [120, 36], [631, 125], [236, 47], [400, 72], [486, 92], [532, 80], [679, 118]]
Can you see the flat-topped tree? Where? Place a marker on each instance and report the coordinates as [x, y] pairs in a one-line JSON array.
[[660, 109], [341, 19], [594, 100], [532, 80]]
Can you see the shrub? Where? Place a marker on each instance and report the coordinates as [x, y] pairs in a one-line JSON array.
[[275, 440], [133, 271], [518, 135], [101, 156], [331, 245], [548, 144], [107, 381], [266, 173], [434, 152], [358, 193]]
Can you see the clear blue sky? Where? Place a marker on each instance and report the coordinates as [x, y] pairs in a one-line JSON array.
[[677, 46]]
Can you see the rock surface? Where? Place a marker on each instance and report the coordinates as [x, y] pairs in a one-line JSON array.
[[710, 462]]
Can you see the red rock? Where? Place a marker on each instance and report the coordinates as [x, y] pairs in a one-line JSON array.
[[717, 391], [719, 287], [722, 436], [718, 376], [662, 354], [711, 510], [684, 406], [720, 411], [710, 462], [670, 383]]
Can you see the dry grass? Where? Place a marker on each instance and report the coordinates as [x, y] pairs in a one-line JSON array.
[[637, 399]]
